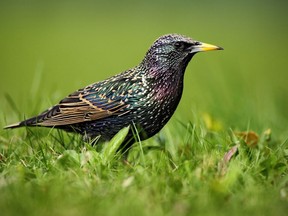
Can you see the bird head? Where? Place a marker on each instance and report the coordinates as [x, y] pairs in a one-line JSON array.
[[174, 51]]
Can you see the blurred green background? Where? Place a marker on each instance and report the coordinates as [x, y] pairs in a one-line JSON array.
[[50, 48]]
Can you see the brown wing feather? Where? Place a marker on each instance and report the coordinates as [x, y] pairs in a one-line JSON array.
[[76, 109]]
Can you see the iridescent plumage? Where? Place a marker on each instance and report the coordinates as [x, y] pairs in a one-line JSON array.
[[146, 95]]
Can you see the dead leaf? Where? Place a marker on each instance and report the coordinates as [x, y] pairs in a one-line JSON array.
[[249, 137], [223, 165], [230, 153]]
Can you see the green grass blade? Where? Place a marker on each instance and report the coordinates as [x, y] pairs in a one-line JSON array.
[[110, 148]]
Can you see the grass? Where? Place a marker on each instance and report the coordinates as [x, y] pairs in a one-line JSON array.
[[189, 168], [46, 172]]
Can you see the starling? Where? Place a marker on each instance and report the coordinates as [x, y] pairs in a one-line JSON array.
[[146, 95]]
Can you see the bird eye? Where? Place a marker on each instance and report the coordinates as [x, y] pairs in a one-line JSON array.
[[178, 44], [182, 46], [197, 43]]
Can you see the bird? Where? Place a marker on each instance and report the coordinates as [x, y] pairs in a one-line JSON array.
[[146, 95]]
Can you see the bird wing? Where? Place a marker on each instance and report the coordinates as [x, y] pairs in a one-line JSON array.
[[82, 106]]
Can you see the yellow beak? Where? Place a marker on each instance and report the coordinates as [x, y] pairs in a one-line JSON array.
[[205, 47]]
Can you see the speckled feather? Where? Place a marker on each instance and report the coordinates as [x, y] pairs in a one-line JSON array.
[[146, 95]]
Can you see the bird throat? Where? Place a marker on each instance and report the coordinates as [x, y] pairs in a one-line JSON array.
[[168, 79]]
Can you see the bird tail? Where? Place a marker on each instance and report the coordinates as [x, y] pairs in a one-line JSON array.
[[28, 122], [36, 120], [15, 125]]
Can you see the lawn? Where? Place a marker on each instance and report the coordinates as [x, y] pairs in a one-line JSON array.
[[225, 150]]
